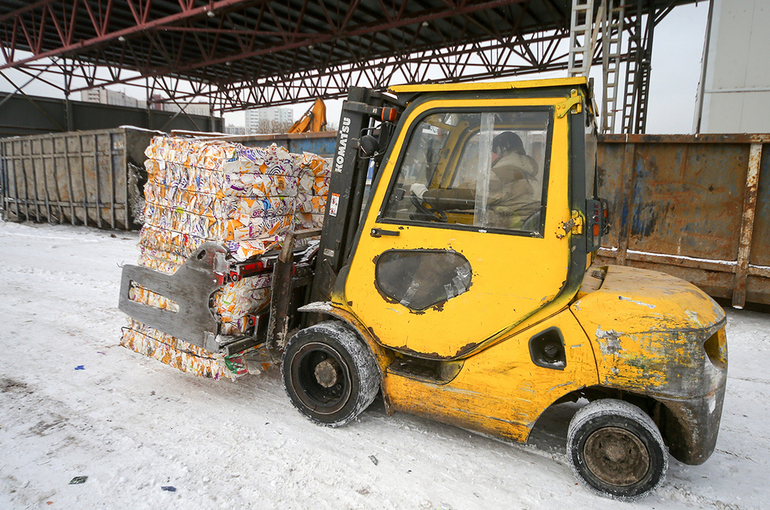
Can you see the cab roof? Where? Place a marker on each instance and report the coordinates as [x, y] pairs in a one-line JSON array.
[[485, 86]]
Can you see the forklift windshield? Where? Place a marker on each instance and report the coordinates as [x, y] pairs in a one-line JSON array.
[[478, 169]]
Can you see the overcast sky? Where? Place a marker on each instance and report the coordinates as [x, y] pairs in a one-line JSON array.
[[677, 53], [676, 64]]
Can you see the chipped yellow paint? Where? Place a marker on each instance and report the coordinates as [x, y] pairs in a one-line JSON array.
[[650, 329], [499, 390]]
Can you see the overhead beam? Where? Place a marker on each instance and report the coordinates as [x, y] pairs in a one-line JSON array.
[[299, 40], [257, 52], [187, 12]]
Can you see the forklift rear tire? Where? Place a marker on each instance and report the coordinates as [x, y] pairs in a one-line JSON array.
[[616, 450], [330, 375]]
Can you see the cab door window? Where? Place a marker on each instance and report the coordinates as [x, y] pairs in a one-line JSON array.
[[484, 170]]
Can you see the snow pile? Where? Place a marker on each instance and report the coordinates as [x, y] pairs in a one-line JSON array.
[[243, 198]]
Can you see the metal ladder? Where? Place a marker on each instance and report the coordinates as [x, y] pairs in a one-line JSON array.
[[638, 72], [580, 47], [613, 15]]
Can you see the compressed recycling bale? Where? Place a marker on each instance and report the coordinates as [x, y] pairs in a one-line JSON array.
[[311, 204], [245, 199], [181, 355], [313, 191], [309, 220], [213, 191]]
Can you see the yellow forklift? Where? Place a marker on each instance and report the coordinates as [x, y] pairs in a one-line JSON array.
[[462, 288]]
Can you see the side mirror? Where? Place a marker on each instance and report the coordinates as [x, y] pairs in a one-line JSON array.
[[368, 146]]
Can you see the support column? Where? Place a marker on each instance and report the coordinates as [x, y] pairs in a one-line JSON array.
[[747, 226], [68, 113]]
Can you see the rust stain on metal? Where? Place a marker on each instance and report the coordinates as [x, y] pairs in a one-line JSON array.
[[686, 139], [689, 206], [384, 296], [427, 355], [568, 225], [466, 349]]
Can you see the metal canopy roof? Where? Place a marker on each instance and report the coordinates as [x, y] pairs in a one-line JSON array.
[[242, 53]]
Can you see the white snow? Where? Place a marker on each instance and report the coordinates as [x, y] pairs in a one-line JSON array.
[[133, 425]]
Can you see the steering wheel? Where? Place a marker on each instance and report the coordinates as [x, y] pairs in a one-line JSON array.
[[532, 220], [432, 213]]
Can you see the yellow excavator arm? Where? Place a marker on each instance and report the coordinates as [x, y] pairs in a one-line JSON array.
[[314, 120]]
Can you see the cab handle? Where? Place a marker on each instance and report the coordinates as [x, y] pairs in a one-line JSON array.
[[379, 232]]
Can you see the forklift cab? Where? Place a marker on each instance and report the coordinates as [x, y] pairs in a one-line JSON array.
[[476, 169], [461, 243]]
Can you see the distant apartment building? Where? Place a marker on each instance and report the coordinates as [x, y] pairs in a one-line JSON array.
[[113, 97], [269, 120], [202, 109], [232, 129]]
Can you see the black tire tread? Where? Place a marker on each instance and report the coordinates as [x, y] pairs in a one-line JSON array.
[[612, 412], [364, 364]]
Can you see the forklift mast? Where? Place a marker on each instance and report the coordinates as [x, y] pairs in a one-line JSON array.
[[350, 165]]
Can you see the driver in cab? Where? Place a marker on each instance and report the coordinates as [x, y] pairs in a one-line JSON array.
[[513, 194]]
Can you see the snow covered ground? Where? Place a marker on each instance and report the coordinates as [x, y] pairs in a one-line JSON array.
[[74, 403]]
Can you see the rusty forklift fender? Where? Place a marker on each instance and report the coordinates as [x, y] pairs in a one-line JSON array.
[[640, 322]]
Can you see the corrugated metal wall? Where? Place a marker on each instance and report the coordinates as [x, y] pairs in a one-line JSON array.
[[20, 117]]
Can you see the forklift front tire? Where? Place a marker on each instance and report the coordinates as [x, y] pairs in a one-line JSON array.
[[329, 374], [616, 450]]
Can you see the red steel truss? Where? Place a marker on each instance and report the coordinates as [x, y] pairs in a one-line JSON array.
[[242, 53]]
